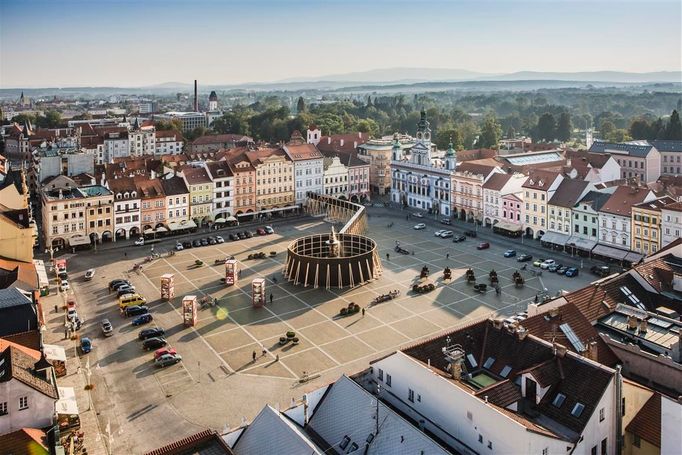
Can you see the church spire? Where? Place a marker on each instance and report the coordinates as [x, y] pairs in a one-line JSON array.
[[396, 150], [450, 157]]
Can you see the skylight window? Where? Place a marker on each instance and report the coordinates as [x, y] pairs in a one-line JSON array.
[[505, 371], [559, 400], [572, 337], [489, 363], [578, 410], [472, 361], [632, 298]]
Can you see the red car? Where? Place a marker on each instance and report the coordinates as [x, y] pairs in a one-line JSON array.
[[483, 246], [159, 352], [261, 231]]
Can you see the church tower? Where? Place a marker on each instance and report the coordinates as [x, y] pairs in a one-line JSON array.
[[421, 152], [450, 158], [213, 101], [396, 150]]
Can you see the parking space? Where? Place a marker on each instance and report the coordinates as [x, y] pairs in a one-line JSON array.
[[218, 353]]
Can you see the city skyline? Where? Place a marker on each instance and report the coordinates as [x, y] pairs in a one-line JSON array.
[[132, 44]]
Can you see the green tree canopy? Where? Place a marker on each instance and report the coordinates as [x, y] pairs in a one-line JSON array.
[[546, 130], [300, 105], [490, 132], [674, 129], [564, 127]]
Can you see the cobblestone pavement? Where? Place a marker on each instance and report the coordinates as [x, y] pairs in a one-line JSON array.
[[219, 384]]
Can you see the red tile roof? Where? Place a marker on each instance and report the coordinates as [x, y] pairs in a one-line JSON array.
[[568, 192], [475, 168], [195, 175], [207, 440], [497, 181], [221, 139], [301, 152], [20, 366], [647, 423], [622, 200], [29, 441], [539, 179]]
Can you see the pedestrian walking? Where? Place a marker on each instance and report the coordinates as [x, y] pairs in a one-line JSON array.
[[447, 256], [363, 312], [253, 356], [277, 358], [271, 298], [125, 254], [387, 256], [263, 353]]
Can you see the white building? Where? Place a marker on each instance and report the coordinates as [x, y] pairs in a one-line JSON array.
[[223, 188], [127, 211], [592, 167], [28, 391], [190, 120], [116, 145], [560, 210], [177, 201], [169, 142], [335, 178], [671, 223], [637, 159], [422, 182], [308, 166], [615, 218], [491, 388], [142, 139], [497, 186]]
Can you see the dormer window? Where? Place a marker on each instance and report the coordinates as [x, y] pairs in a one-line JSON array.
[[505, 371], [558, 400], [472, 361], [577, 410]]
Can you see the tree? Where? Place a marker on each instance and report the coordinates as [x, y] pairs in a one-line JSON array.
[[641, 129], [367, 126], [24, 118], [195, 133], [673, 131], [564, 127], [606, 128], [490, 133], [173, 124], [51, 119], [300, 106], [546, 130]]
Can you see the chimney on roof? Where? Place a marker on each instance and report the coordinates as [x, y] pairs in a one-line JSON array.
[[341, 143], [521, 333], [677, 348], [632, 322], [554, 312], [643, 326], [559, 350], [591, 351], [329, 140]]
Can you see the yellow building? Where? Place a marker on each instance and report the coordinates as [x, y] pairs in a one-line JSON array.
[[17, 229], [641, 420], [274, 179], [537, 191], [200, 189], [646, 225]]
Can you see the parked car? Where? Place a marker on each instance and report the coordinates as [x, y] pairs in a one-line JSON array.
[[89, 274], [153, 332], [116, 282], [212, 241], [187, 245], [553, 267], [418, 215], [121, 284], [167, 359], [107, 328], [446, 234], [248, 234], [601, 270], [62, 275], [153, 343], [204, 242], [86, 345], [64, 286], [546, 263], [510, 253], [123, 290], [142, 319], [458, 238], [196, 243], [571, 272], [562, 270], [269, 229], [219, 239], [179, 246], [135, 310], [241, 235], [446, 221], [438, 232], [470, 233], [233, 237], [483, 246], [71, 314], [538, 262], [159, 352], [139, 242], [419, 226], [261, 231]]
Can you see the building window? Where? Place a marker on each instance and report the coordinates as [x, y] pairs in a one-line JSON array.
[[23, 403], [601, 415], [636, 441], [577, 410], [380, 376], [604, 445], [3, 408], [388, 379], [410, 395], [593, 451], [344, 443]]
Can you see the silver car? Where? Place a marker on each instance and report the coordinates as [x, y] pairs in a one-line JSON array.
[[107, 328]]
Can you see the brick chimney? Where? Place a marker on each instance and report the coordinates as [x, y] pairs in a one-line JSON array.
[[591, 351]]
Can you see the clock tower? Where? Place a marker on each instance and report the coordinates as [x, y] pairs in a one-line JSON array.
[[421, 151]]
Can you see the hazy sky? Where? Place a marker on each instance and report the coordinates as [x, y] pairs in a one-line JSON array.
[[57, 43]]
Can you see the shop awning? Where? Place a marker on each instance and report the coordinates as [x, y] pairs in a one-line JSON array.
[[231, 218], [555, 238], [79, 240], [161, 229], [610, 252], [54, 352], [185, 224], [67, 405], [633, 257], [581, 244], [220, 220], [149, 231], [506, 226]]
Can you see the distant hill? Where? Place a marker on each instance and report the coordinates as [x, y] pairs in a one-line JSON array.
[[403, 75], [589, 76]]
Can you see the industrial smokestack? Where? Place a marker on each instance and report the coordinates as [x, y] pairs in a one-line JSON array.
[[196, 97]]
